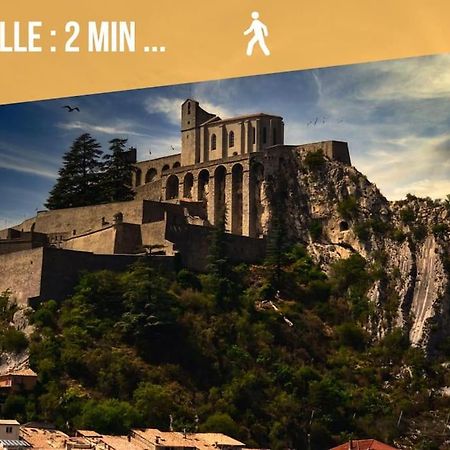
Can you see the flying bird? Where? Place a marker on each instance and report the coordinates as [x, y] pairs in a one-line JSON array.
[[71, 109], [172, 147]]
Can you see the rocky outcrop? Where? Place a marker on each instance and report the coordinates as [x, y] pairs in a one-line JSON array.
[[336, 211]]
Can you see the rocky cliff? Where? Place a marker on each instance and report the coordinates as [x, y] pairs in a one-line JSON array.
[[336, 211]]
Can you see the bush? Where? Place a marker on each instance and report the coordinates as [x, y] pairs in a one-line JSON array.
[[315, 229], [398, 235], [220, 423], [13, 340], [348, 207], [407, 215], [351, 335], [440, 228], [315, 160], [419, 232], [362, 230], [188, 280]]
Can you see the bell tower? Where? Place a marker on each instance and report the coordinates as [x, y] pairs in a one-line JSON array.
[[192, 117]]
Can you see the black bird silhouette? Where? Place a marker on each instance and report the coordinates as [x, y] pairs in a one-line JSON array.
[[71, 109]]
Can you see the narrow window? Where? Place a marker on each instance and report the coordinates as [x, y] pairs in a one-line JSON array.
[[264, 136], [189, 107], [254, 135], [213, 142], [274, 136], [231, 139]]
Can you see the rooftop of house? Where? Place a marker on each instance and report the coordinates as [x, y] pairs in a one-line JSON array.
[[201, 441], [8, 422], [21, 373], [364, 444]]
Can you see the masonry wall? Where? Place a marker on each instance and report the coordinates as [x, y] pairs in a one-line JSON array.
[[100, 241], [62, 268], [192, 242], [155, 166], [80, 220], [21, 273]]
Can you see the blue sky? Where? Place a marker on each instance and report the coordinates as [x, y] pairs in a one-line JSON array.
[[395, 116]]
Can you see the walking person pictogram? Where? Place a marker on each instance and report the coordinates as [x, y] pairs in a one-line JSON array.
[[260, 32]]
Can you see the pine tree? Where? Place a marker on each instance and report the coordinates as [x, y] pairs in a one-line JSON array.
[[219, 268], [78, 181], [117, 174]]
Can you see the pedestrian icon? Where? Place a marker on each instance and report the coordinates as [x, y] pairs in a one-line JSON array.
[[260, 32]]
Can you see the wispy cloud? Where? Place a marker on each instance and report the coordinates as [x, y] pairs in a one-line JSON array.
[[116, 130], [27, 161], [171, 107]]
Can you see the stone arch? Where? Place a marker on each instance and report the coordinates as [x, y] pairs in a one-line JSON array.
[[219, 193], [165, 168], [203, 185], [176, 164], [172, 187], [150, 175], [137, 177], [257, 192], [188, 184], [237, 174]]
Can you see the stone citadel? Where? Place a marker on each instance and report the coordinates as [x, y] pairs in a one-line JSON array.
[[224, 165]]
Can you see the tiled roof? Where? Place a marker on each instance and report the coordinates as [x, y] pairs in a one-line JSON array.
[[8, 422], [122, 443], [219, 438], [23, 373], [43, 439], [365, 444]]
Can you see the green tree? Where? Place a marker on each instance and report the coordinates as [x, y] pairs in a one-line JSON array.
[[118, 169], [78, 183]]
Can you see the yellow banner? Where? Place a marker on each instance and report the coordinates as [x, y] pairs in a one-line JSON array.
[[142, 43]]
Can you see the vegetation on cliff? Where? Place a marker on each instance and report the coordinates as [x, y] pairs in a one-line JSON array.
[[281, 366]]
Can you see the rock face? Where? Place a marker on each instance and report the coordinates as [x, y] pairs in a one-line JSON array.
[[336, 212]]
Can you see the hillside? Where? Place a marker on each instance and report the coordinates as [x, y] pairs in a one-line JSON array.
[[336, 212], [342, 332]]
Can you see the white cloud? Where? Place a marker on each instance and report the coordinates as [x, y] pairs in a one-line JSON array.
[[123, 128], [171, 107], [27, 161]]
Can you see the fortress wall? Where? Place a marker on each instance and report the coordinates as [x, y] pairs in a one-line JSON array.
[[84, 219], [335, 150], [15, 245], [149, 191], [157, 164], [100, 241], [154, 233], [193, 241], [62, 268], [21, 273], [128, 238]]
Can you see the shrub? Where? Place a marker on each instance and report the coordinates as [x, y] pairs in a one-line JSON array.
[[398, 235], [13, 340], [419, 232], [348, 207], [407, 215], [351, 335], [362, 230], [315, 229], [315, 160], [187, 279], [440, 228]]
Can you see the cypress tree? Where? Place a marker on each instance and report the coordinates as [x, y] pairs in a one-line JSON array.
[[78, 179], [117, 174]]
